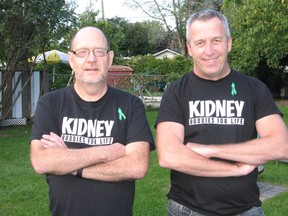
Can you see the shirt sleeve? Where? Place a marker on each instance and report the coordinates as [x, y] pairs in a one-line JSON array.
[[44, 120], [138, 127], [265, 104], [171, 106]]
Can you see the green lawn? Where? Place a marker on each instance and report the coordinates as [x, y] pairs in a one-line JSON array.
[[23, 193]]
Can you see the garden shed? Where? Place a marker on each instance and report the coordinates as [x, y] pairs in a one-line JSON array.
[[119, 76]]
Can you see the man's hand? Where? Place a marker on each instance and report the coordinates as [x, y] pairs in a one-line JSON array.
[[115, 151], [203, 150], [207, 151], [245, 169], [52, 140], [112, 152]]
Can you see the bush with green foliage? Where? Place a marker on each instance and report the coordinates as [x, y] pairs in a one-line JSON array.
[[171, 68]]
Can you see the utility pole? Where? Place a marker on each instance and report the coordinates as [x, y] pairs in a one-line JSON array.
[[102, 6]]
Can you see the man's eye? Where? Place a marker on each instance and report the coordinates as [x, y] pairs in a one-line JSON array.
[[99, 53], [200, 43], [82, 52], [217, 41]]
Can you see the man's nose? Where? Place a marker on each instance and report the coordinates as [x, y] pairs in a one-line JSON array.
[[209, 49]]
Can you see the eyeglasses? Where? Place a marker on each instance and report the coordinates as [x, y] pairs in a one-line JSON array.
[[83, 53]]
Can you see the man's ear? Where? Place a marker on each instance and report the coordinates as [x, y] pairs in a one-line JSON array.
[[229, 44], [70, 59], [111, 57], [189, 49]]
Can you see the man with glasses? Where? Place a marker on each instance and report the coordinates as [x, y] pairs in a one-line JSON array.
[[92, 141]]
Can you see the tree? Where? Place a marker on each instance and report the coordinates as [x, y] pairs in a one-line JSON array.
[[115, 34], [136, 40], [174, 14], [260, 40], [157, 36], [27, 27], [140, 38], [113, 30], [259, 32]]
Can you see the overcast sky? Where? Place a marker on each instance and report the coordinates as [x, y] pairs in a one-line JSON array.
[[113, 8]]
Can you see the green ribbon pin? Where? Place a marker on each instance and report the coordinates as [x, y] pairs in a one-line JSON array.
[[233, 91], [121, 114]]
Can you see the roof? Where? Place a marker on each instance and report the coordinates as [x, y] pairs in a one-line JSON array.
[[166, 53], [120, 68]]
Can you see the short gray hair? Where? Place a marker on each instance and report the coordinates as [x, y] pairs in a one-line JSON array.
[[206, 15]]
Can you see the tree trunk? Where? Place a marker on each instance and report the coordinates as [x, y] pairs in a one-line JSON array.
[[6, 90]]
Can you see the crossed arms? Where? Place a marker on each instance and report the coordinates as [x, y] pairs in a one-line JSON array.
[[114, 162], [195, 159]]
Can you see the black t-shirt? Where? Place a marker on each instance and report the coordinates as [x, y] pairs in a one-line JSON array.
[[216, 112], [117, 117]]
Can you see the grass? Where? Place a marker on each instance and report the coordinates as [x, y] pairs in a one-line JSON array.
[[23, 193]]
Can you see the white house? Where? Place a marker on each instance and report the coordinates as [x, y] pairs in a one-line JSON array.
[[166, 53]]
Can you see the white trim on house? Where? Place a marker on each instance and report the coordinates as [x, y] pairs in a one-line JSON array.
[[166, 53]]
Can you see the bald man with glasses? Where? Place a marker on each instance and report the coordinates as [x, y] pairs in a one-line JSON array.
[[91, 141]]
